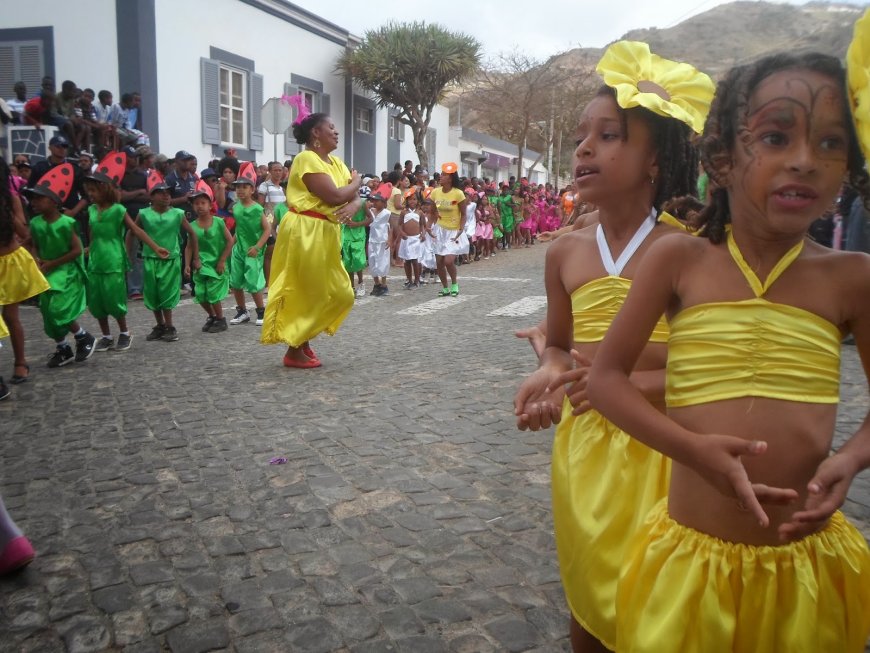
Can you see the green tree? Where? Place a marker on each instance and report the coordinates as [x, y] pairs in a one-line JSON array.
[[408, 66]]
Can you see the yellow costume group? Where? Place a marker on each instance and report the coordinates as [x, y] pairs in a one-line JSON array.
[[633, 577]]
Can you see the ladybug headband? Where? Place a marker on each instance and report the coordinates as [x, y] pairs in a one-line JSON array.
[[55, 184]]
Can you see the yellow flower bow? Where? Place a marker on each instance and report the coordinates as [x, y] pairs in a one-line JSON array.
[[668, 88], [858, 75]]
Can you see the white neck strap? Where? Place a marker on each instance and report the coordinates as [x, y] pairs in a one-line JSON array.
[[615, 268]]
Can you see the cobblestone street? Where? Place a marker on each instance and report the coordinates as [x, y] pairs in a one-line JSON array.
[[410, 516]]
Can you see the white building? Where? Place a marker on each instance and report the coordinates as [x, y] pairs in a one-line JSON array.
[[204, 71]]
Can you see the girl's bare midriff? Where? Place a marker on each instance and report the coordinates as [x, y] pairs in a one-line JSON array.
[[798, 439]]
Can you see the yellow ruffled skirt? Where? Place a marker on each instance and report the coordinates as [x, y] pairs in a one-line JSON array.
[[683, 591], [604, 485], [309, 290], [20, 277], [4, 331]]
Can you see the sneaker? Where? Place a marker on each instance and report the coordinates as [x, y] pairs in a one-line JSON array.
[[209, 321], [104, 344], [454, 290], [4, 390], [376, 291], [414, 286], [170, 334], [123, 342], [219, 324], [84, 347], [186, 287], [384, 291], [63, 355], [241, 316], [360, 291], [261, 312], [156, 332], [407, 285]]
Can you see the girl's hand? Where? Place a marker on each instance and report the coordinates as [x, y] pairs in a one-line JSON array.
[[252, 252], [197, 264], [546, 236], [220, 267], [536, 338], [577, 378], [826, 493], [45, 267], [717, 458], [162, 252], [535, 405], [186, 270]]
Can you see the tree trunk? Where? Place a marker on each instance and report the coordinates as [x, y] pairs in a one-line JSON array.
[[521, 149], [419, 134]]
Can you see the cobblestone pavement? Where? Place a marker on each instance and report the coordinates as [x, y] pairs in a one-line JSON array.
[[410, 516]]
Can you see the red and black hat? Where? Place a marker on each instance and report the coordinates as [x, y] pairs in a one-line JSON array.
[[156, 182], [202, 188], [55, 184], [111, 169], [247, 174]]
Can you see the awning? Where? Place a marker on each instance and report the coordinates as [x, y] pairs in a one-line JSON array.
[[472, 156]]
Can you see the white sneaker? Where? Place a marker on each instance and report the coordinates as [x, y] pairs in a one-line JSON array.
[[360, 291], [241, 316]]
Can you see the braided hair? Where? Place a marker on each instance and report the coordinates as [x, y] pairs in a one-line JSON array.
[[676, 155], [7, 225], [728, 114]]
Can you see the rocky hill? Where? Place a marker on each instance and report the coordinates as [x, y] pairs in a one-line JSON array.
[[739, 32]]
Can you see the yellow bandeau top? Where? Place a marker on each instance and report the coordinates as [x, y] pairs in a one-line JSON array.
[[596, 303], [752, 348]]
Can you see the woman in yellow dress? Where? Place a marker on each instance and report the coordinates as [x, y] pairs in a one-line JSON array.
[[20, 277], [310, 292]]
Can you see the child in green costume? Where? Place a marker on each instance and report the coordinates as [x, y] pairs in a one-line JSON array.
[[353, 247], [212, 280], [59, 251], [107, 255], [252, 232], [161, 269]]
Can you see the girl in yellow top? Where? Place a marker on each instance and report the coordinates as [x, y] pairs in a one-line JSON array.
[[757, 311], [310, 292], [633, 153], [449, 227]]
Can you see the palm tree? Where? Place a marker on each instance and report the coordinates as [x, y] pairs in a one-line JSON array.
[[408, 66]]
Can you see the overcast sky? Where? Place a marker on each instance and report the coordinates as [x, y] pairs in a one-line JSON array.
[[539, 28]]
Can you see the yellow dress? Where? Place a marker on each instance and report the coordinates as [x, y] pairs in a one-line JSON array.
[[684, 591], [4, 332], [309, 291], [604, 481], [20, 277]]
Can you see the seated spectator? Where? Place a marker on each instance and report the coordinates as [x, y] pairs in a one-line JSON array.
[[161, 165], [39, 111], [17, 103], [65, 104], [101, 132], [121, 119]]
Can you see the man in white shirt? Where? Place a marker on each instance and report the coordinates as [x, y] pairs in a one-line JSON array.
[[270, 193]]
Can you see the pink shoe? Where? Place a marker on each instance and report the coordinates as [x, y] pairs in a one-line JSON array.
[[17, 554]]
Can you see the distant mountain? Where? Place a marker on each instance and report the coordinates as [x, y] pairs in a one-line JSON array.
[[739, 32]]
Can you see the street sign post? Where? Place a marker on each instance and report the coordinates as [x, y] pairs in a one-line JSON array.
[[276, 117]]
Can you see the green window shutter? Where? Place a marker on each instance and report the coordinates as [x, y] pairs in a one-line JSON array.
[[255, 99], [209, 86]]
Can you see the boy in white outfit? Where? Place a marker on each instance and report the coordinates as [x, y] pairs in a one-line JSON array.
[[379, 243]]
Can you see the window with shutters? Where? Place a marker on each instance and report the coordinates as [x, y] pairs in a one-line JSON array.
[[397, 129], [364, 120], [21, 61], [233, 84], [315, 99], [232, 103]]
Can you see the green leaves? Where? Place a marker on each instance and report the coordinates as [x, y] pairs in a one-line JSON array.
[[408, 66]]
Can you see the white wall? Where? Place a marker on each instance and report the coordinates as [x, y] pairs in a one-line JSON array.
[[84, 34], [186, 31]]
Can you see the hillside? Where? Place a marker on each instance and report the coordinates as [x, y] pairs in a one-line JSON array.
[[739, 32]]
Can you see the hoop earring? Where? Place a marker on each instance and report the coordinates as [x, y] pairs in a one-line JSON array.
[[652, 179], [317, 143]]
